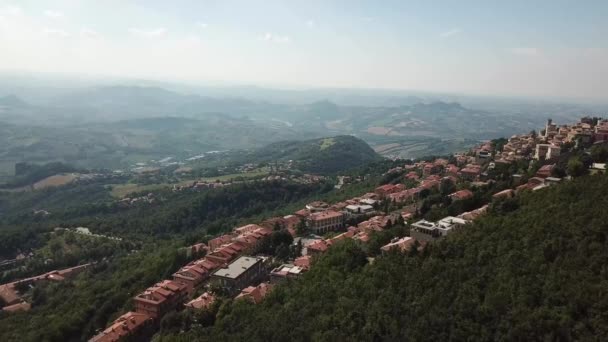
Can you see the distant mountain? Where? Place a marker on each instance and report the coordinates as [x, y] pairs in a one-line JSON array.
[[128, 102], [120, 144], [322, 110], [444, 120], [325, 155], [12, 101]]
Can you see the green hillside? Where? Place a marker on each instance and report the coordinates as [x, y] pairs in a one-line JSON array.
[[535, 273], [325, 155]]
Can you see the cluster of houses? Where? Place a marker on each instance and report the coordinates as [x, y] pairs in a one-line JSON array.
[[548, 145], [12, 298], [129, 201], [230, 263]]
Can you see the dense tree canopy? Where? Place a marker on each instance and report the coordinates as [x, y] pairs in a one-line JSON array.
[[535, 272]]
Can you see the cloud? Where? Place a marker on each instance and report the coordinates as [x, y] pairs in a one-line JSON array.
[[202, 25], [525, 51], [368, 19], [148, 33], [53, 14], [275, 38], [88, 33], [450, 33], [191, 39], [55, 33], [11, 10], [310, 23]]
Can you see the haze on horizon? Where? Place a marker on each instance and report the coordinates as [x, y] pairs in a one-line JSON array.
[[546, 48]]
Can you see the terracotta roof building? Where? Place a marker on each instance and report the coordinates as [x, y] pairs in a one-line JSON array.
[[403, 245], [303, 262], [323, 222], [461, 195], [317, 247], [255, 294], [286, 271], [126, 327], [203, 301], [161, 298], [191, 275], [239, 274]]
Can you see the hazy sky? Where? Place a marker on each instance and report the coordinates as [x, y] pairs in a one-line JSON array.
[[554, 47]]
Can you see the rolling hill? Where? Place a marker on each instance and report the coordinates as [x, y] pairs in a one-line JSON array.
[[325, 155]]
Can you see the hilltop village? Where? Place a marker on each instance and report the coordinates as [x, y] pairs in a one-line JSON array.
[[431, 198], [417, 203]]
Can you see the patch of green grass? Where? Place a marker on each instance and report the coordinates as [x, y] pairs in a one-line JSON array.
[[326, 143]]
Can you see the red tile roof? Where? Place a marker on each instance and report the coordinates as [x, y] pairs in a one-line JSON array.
[[325, 215], [318, 246], [203, 301], [303, 261], [125, 325], [461, 195], [255, 293]]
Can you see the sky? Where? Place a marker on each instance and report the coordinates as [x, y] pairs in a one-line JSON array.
[[534, 48]]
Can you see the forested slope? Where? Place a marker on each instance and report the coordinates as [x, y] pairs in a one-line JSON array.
[[532, 270]]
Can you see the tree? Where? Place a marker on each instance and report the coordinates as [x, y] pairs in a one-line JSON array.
[[446, 186], [301, 228], [599, 154], [282, 252], [575, 168]]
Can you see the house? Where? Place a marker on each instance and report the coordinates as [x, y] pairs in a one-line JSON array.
[[473, 214], [470, 172], [353, 210], [302, 213], [323, 222], [424, 230], [552, 180], [23, 306], [452, 170], [430, 184], [405, 195], [219, 241], [284, 272], [161, 298], [303, 262], [191, 275], [461, 195], [131, 326], [598, 168], [247, 229], [317, 206], [362, 237], [203, 301], [255, 294], [508, 193], [386, 189], [239, 274], [376, 223], [224, 254], [403, 245], [9, 295], [291, 222], [317, 247], [251, 241], [545, 171]]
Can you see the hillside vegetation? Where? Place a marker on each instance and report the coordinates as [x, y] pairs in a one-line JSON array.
[[537, 272], [325, 156]]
